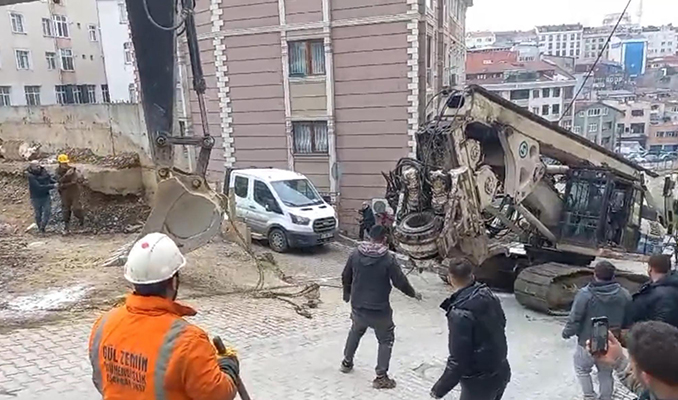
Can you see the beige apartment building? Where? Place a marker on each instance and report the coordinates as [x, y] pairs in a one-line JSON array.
[[50, 53], [333, 89]]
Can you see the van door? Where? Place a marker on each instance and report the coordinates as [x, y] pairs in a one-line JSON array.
[[241, 190], [264, 208]]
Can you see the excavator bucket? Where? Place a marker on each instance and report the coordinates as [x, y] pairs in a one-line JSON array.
[[187, 210]]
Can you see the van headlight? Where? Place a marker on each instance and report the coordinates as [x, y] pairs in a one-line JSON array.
[[300, 220]]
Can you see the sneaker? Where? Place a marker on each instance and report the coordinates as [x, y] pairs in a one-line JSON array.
[[346, 367], [383, 382]]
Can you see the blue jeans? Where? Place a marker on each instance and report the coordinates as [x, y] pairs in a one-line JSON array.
[[42, 208]]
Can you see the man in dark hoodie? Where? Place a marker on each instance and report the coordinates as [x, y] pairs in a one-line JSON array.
[[367, 278], [40, 183], [477, 339], [604, 297], [657, 300], [367, 220]]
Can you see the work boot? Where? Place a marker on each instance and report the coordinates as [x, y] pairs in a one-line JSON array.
[[383, 382], [346, 367]]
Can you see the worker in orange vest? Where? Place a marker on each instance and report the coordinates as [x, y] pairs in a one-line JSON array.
[[145, 350]]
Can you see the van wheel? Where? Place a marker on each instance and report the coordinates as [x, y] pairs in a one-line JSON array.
[[277, 240]]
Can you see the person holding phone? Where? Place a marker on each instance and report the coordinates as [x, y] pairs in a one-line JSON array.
[[604, 297], [651, 370]]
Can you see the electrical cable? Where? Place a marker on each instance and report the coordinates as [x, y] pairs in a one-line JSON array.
[[600, 54], [183, 13]]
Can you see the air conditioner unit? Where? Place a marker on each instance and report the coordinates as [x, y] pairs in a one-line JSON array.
[[381, 205]]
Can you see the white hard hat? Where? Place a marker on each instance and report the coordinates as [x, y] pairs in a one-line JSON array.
[[154, 258]]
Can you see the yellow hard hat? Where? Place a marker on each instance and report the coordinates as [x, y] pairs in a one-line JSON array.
[[63, 158]]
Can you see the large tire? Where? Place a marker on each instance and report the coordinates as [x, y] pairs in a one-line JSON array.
[[277, 240]]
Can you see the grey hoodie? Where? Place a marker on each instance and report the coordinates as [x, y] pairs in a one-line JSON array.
[[597, 299], [368, 275]]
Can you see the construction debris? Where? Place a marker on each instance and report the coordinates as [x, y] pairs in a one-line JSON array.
[[86, 156]]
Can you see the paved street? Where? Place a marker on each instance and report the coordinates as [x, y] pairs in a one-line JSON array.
[[285, 356]]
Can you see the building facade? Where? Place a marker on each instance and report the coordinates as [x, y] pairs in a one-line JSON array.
[[50, 52], [479, 40], [635, 124], [560, 40], [661, 40], [594, 42], [332, 89], [597, 122], [630, 51], [663, 137], [117, 49]]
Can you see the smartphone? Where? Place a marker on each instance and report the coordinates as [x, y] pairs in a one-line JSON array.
[[600, 327]]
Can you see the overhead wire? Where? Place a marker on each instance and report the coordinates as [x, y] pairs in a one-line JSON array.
[[183, 14], [600, 54]]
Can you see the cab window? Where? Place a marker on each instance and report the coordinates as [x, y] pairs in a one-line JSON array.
[[264, 197], [240, 186]]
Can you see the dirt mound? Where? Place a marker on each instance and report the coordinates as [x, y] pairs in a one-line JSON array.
[[17, 261], [103, 213], [86, 156]]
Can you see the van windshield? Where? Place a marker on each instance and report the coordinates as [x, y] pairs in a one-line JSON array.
[[297, 193]]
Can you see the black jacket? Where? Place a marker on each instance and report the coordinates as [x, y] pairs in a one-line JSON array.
[[655, 301], [597, 299], [368, 218], [477, 339], [40, 182], [368, 275]]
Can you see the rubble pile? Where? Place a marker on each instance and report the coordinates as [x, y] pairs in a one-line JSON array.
[[13, 188], [86, 156]]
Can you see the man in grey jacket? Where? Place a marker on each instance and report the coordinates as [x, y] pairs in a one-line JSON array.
[[603, 297], [367, 279]]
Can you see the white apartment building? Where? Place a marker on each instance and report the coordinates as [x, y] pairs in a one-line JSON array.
[[560, 40], [481, 39], [661, 41], [117, 49], [50, 52], [593, 43]]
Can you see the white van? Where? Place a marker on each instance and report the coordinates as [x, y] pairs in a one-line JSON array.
[[283, 207]]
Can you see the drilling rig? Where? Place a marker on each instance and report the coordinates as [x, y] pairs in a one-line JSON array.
[[528, 202]]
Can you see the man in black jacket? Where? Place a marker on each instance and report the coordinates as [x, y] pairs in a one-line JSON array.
[[367, 279], [477, 340], [657, 300], [40, 183], [367, 220]]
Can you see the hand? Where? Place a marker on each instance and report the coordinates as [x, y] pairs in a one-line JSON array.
[[229, 365], [434, 395], [614, 351], [418, 296]]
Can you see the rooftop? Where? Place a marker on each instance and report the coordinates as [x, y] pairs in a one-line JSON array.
[[478, 34], [585, 105], [560, 28], [477, 61]]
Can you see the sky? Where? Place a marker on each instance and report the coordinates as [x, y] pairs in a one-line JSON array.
[[504, 15]]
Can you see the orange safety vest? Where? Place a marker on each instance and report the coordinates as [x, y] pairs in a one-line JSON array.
[[145, 350]]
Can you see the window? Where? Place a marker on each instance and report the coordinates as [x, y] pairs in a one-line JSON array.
[[555, 109], [576, 129], [307, 58], [637, 113], [122, 12], [51, 60], [62, 95], [263, 196], [637, 128], [546, 92], [47, 27], [535, 110], [32, 95], [66, 56], [92, 31], [5, 99], [91, 93], [60, 26], [545, 109], [594, 112], [241, 186], [606, 111], [580, 113], [17, 21], [571, 53], [77, 94], [593, 128], [127, 48], [607, 126], [310, 137], [105, 94], [132, 93], [556, 92], [520, 94], [535, 94], [23, 59]]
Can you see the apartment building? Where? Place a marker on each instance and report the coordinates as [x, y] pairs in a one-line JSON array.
[[50, 52], [661, 40], [332, 89], [597, 122], [481, 39], [117, 50], [635, 124], [538, 86], [560, 40], [594, 40]]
